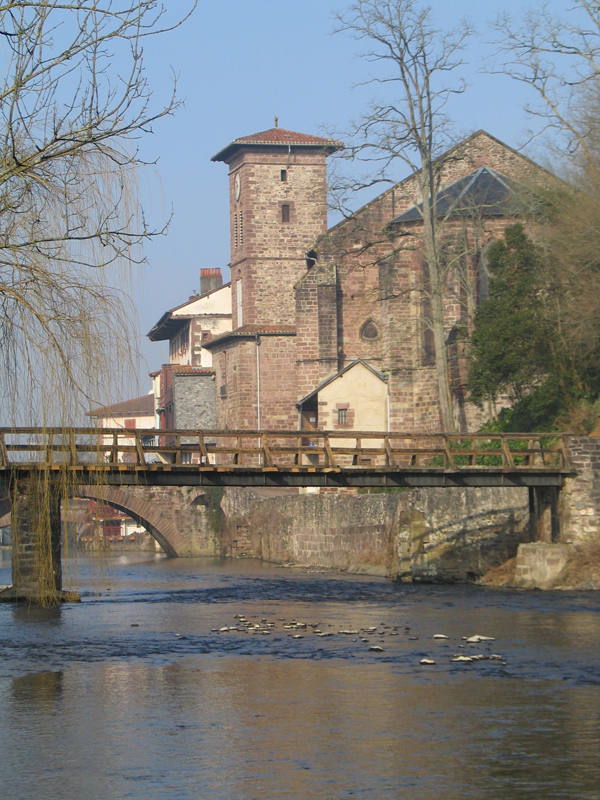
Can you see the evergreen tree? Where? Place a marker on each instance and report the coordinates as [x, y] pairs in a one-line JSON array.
[[511, 347]]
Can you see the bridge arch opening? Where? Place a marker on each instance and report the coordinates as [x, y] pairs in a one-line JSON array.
[[156, 534]]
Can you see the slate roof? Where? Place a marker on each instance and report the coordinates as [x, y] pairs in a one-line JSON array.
[[484, 192], [277, 137], [138, 407]]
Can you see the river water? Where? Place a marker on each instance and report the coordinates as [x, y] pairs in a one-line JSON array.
[[137, 692]]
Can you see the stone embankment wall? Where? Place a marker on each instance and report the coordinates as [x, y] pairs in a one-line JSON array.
[[580, 496], [574, 561], [433, 534]]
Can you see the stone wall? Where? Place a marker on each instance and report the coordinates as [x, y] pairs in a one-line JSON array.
[[183, 520], [268, 254], [580, 497], [433, 534], [194, 401], [316, 327], [36, 532], [540, 565], [237, 362]]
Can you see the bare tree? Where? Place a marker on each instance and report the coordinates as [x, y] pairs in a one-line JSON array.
[[408, 125], [75, 100], [559, 60]]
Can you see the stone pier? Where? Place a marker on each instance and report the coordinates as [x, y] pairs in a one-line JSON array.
[[580, 496], [565, 527], [36, 542]]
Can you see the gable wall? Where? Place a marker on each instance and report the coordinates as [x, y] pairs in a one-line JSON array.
[[362, 394], [217, 302], [381, 276]]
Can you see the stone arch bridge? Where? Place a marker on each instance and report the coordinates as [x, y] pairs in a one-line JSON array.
[[168, 485], [182, 519]]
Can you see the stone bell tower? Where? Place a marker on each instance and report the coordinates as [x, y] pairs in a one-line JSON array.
[[277, 207]]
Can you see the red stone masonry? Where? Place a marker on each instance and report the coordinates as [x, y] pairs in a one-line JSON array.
[[295, 324], [277, 198], [381, 277]]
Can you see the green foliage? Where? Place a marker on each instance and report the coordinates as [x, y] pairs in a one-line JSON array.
[[540, 410], [511, 335], [521, 343]]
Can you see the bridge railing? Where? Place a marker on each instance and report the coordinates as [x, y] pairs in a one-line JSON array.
[[118, 448]]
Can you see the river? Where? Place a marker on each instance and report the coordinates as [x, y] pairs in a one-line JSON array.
[[236, 680]]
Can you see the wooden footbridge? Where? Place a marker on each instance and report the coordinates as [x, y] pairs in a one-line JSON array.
[[40, 467], [284, 458]]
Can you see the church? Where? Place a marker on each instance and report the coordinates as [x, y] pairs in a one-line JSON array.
[[329, 327]]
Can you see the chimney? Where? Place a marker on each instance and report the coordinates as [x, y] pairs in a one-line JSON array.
[[210, 279]]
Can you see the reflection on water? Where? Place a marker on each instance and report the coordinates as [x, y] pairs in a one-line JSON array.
[[138, 693]]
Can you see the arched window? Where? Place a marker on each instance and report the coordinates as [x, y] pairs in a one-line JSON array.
[[369, 331]]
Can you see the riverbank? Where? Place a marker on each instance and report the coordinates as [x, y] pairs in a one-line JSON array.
[[562, 567], [421, 535], [426, 535]]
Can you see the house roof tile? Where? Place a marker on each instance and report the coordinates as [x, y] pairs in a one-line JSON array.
[[277, 137], [138, 407], [186, 369]]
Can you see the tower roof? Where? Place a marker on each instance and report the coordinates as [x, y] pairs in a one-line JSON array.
[[277, 137]]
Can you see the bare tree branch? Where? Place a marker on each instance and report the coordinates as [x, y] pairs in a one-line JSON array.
[[407, 125], [558, 58], [74, 103]]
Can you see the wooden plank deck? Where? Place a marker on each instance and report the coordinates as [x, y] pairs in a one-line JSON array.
[[285, 458]]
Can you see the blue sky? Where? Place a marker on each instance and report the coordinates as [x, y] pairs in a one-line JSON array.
[[238, 64]]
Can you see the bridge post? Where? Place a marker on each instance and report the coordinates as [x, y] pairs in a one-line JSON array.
[[36, 531], [543, 514]]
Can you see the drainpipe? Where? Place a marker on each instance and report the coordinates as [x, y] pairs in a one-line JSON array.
[[257, 383], [387, 400], [258, 393]]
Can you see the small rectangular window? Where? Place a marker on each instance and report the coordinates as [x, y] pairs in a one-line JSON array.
[[285, 213], [342, 416], [284, 175]]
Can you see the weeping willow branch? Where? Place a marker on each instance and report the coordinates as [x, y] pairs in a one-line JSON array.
[[75, 101]]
